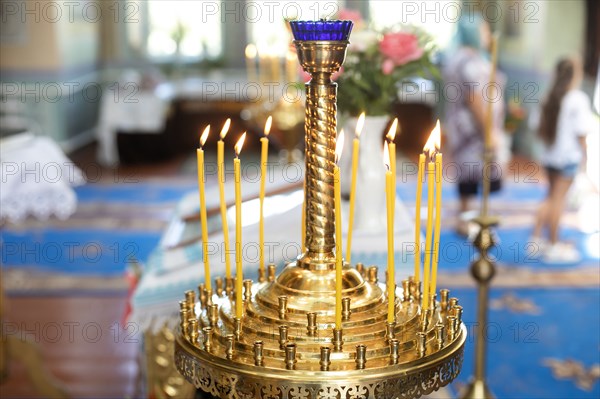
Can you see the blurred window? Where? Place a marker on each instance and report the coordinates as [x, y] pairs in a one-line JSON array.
[[193, 25], [267, 27]]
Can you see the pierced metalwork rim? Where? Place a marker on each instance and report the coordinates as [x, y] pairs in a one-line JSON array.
[[227, 379]]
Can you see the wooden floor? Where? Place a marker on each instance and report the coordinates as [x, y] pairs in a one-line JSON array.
[[81, 344]]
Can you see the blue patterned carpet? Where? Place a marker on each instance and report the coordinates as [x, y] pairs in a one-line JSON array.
[[543, 335]]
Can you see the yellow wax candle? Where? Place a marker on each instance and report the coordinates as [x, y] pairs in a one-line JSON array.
[[264, 153], [418, 218], [223, 202], [200, 158], [251, 62], [392, 150], [355, 152], [436, 139], [390, 198], [428, 233], [338, 233], [438, 221], [239, 274]]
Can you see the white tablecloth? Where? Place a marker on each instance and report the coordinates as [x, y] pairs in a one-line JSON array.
[[37, 179]]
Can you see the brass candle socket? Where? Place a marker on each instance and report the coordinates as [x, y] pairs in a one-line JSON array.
[[406, 297], [440, 334], [229, 286], [183, 322], [325, 359], [193, 331], [282, 306], [346, 312], [207, 338], [421, 343], [229, 345], [338, 340], [213, 315], [219, 286], [444, 293], [290, 356], [372, 273], [258, 353], [209, 298], [247, 290], [361, 269], [390, 331], [237, 328], [190, 299], [202, 295], [261, 275], [311, 328], [394, 351], [271, 270], [361, 356], [283, 336]]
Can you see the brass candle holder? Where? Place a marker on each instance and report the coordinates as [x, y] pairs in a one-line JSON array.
[[285, 345]]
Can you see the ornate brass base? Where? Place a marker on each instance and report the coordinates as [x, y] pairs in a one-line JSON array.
[[279, 352]]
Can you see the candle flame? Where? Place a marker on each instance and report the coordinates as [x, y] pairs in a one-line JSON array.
[[386, 155], [392, 132], [339, 146], [239, 144], [204, 136], [433, 142], [359, 125], [268, 125], [251, 51], [225, 128]]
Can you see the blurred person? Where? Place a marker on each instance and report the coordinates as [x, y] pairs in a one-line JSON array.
[[564, 123], [468, 71]]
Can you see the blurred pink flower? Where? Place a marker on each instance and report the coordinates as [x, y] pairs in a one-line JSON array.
[[352, 15], [337, 74], [387, 67], [400, 48]]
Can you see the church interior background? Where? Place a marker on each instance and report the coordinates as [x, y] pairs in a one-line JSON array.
[[102, 107]]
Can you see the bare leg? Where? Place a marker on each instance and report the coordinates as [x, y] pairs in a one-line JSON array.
[[559, 194], [543, 212]]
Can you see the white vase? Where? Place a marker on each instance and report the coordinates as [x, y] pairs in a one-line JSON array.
[[370, 212]]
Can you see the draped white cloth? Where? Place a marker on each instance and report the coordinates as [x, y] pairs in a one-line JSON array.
[[37, 179]]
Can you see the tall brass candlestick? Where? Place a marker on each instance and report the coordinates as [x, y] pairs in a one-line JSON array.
[[489, 127], [483, 268]]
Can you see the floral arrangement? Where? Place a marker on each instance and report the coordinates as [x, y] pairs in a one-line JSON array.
[[376, 62]]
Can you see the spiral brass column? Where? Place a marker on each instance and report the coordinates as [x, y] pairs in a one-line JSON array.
[[321, 59]]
